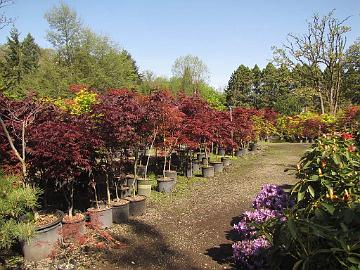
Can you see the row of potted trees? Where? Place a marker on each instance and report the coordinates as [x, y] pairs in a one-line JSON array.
[[89, 150]]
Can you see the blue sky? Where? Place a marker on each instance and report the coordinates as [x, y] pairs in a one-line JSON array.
[[223, 33]]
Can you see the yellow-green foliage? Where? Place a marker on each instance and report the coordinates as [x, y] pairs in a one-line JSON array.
[[80, 104], [262, 127]]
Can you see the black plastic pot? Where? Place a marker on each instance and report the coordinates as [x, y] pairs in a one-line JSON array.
[[137, 205], [200, 156], [171, 174], [44, 241], [221, 152], [225, 161], [240, 152], [101, 217], [120, 211], [165, 184], [218, 166], [195, 167], [208, 171], [125, 191], [253, 146], [130, 181], [205, 161], [189, 172], [143, 187], [141, 170]]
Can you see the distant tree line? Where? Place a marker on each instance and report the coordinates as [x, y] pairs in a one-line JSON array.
[[313, 71], [81, 57]]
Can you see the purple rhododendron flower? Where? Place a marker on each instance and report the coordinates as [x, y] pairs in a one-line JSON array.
[[257, 216], [247, 253], [272, 197]]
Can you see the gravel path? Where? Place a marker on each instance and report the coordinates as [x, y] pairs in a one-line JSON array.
[[194, 231]]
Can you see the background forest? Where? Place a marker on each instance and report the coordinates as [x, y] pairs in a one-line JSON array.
[[315, 71]]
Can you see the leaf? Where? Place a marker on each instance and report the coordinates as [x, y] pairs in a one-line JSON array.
[[336, 159], [292, 228], [343, 227], [353, 260], [297, 265], [300, 195], [314, 177], [328, 207], [311, 191]]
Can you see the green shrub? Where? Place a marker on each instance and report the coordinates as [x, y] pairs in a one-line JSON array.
[[322, 231], [15, 202]]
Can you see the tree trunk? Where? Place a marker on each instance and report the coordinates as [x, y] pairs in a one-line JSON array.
[[321, 102], [108, 189], [12, 146], [148, 158]]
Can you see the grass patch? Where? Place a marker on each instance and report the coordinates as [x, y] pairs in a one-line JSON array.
[[183, 186]]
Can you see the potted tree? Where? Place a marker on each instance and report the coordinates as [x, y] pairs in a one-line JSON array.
[[18, 120], [197, 132], [63, 148], [117, 117]]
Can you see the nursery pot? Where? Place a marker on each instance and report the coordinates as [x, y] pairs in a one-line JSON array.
[[101, 217], [240, 152], [225, 161], [221, 152], [125, 191], [73, 228], [171, 174], [200, 156], [205, 161], [44, 241], [137, 205], [218, 166], [253, 146], [195, 167], [144, 187], [189, 171], [165, 184], [141, 170], [130, 180], [208, 171], [120, 211]]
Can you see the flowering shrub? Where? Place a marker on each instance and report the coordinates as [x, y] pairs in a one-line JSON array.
[[269, 204], [322, 230], [330, 168]]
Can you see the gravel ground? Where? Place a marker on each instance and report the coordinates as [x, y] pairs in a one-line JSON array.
[[194, 231]]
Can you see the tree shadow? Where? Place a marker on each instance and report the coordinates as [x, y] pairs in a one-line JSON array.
[[222, 253], [147, 249]]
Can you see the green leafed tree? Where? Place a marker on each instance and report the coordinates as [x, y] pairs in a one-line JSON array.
[[322, 47], [239, 88], [191, 71], [65, 32], [20, 59], [351, 85]]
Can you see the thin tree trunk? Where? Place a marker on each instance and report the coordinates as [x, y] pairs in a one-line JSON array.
[[321, 102], [71, 208], [116, 191], [148, 158], [108, 189], [164, 168], [16, 152]]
